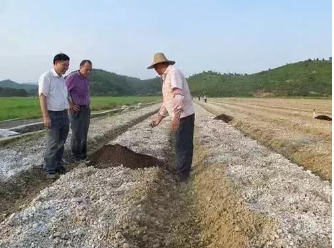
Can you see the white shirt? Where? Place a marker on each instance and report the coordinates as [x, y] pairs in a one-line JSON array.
[[53, 86], [175, 85]]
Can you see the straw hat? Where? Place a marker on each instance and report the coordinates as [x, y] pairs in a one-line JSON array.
[[160, 58]]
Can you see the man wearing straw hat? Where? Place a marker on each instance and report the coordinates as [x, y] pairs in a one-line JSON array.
[[178, 105]]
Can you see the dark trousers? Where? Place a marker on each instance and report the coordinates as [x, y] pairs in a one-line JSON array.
[[80, 124], [184, 146], [56, 138]]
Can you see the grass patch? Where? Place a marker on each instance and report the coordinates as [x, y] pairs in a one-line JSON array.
[[29, 108]]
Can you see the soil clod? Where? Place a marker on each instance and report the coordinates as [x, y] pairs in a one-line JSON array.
[[116, 155], [223, 117]]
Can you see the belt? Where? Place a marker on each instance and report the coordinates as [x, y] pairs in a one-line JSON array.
[[61, 111], [188, 116], [84, 106]]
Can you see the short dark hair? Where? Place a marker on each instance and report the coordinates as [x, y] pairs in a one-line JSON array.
[[60, 57], [85, 61]]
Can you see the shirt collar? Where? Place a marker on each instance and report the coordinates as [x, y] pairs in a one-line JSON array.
[[54, 73], [163, 76], [80, 75]]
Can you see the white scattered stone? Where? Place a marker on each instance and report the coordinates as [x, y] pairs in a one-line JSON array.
[[118, 235], [126, 245], [145, 238]]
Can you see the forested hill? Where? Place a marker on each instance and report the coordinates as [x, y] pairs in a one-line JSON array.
[[306, 78]]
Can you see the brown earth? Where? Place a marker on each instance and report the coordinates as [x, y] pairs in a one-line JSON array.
[[205, 211], [116, 155], [223, 117], [226, 221]]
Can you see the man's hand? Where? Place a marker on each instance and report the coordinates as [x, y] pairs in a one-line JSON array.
[[176, 122], [74, 108], [156, 121], [47, 121], [46, 117]]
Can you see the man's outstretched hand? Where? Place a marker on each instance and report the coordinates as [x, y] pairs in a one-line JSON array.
[[156, 121]]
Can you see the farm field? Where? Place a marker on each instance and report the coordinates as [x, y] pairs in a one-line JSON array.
[[240, 193], [29, 108], [285, 125], [211, 131]]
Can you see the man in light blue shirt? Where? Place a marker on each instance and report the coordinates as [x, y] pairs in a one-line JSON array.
[[55, 103]]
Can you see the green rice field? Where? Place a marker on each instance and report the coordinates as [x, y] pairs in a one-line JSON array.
[[29, 108]]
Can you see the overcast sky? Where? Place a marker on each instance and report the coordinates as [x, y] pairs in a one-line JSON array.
[[122, 36]]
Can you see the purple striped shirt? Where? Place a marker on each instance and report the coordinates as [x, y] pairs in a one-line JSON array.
[[78, 88]]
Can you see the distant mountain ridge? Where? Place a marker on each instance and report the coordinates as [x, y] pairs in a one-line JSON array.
[[11, 88], [103, 83], [305, 78], [11, 84], [106, 83]]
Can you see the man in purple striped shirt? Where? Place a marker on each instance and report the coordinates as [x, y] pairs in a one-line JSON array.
[[79, 90]]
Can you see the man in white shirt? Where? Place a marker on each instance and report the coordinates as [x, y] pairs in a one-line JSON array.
[[54, 102], [177, 103]]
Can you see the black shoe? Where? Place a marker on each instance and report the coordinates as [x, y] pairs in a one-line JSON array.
[[62, 163], [83, 157], [61, 170], [74, 160], [182, 177], [52, 176], [171, 170]]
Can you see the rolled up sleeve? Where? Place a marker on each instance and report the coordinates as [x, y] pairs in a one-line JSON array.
[[176, 79], [178, 94], [44, 84]]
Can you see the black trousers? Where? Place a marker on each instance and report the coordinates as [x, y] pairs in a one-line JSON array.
[[56, 138], [184, 146], [80, 124]]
